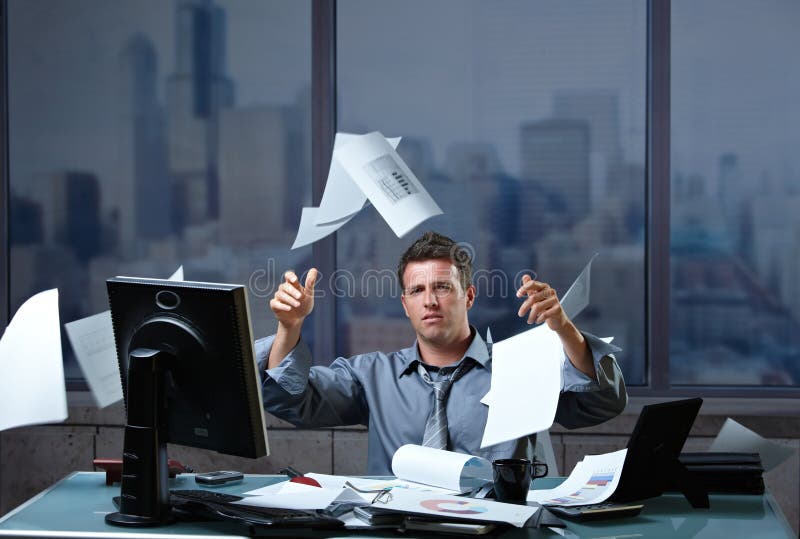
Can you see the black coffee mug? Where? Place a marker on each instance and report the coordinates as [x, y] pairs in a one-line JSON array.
[[512, 478]]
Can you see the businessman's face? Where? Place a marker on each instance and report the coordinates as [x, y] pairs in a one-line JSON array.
[[435, 302]]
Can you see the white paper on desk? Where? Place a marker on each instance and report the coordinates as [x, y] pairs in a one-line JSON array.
[[593, 480], [342, 196], [577, 297], [297, 496], [387, 182], [737, 438], [32, 387], [526, 376], [456, 508], [92, 340], [338, 481], [440, 468]]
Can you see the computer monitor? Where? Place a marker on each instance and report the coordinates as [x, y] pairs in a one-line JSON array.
[[654, 448], [189, 377]]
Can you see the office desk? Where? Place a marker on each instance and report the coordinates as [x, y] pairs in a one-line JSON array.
[[76, 507]]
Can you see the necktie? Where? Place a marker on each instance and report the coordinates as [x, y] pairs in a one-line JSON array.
[[436, 428]]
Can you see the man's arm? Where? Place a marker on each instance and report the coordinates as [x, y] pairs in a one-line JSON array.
[[311, 396], [588, 401], [294, 390], [291, 304]]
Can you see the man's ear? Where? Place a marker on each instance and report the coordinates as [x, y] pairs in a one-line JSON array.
[[471, 293], [403, 301]]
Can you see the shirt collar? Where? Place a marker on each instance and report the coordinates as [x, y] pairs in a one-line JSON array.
[[477, 351]]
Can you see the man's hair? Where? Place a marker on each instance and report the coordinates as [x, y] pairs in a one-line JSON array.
[[435, 246]]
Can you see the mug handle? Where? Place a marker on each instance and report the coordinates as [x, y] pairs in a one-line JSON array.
[[538, 466]]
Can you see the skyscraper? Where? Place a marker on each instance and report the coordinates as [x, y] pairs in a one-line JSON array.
[[555, 153], [601, 110], [143, 184], [196, 93], [253, 170], [75, 217]]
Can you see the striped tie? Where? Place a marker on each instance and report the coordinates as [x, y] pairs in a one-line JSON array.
[[436, 428]]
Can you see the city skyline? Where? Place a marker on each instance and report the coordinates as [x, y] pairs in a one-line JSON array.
[[541, 185]]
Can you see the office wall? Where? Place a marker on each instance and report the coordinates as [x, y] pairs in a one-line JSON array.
[[33, 458]]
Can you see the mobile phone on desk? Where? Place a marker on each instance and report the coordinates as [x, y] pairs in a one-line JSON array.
[[222, 477]]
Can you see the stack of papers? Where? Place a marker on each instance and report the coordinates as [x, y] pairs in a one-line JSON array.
[[593, 480], [417, 468], [426, 482]]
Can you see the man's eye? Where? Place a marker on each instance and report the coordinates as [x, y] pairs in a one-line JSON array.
[[413, 292], [443, 286]]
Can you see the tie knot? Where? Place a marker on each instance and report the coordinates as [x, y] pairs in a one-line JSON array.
[[440, 388]]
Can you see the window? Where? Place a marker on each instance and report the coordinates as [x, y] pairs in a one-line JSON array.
[[735, 217], [526, 122], [148, 135]]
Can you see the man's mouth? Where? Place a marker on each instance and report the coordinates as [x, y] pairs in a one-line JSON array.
[[432, 316]]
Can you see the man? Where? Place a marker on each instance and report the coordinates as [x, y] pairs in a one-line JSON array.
[[429, 393]]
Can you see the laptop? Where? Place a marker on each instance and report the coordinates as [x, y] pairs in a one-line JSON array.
[[654, 448]]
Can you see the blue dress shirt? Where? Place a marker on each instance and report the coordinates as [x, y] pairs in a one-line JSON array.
[[386, 393]]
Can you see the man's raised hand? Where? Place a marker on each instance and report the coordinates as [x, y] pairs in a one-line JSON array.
[[293, 301], [541, 304]]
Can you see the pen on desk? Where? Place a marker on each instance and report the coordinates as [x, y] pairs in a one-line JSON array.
[[297, 477], [291, 472]]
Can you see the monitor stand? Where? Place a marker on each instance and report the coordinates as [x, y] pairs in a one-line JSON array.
[[145, 492]]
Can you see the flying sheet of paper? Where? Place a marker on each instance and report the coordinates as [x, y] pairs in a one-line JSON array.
[[32, 389], [178, 275], [575, 300], [445, 469], [308, 232], [457, 508], [577, 297], [298, 496], [342, 196], [593, 480], [487, 399], [735, 437], [524, 380], [341, 200], [92, 340], [387, 181]]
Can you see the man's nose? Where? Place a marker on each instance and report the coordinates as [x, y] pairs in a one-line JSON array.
[[430, 299]]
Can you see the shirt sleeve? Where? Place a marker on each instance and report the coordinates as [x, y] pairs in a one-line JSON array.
[[585, 401], [307, 395], [576, 380]]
